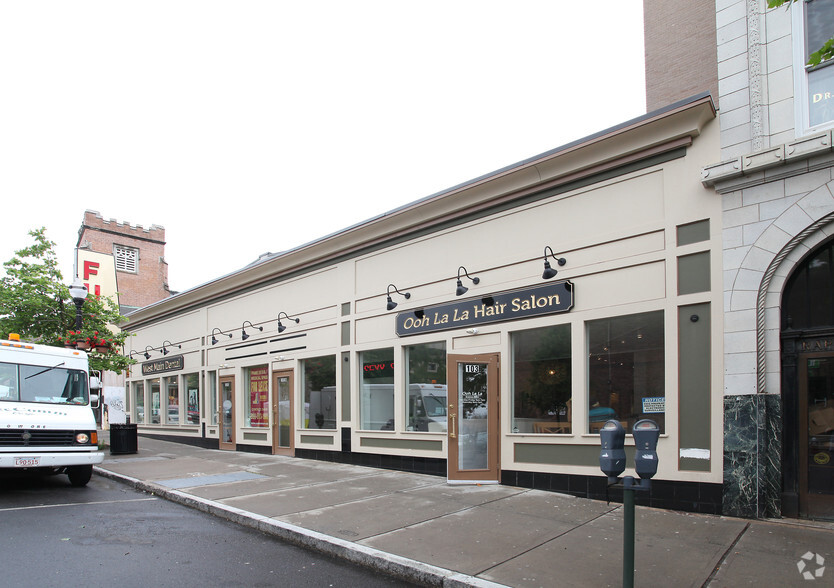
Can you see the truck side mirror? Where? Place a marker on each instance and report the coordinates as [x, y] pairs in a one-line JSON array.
[[646, 433], [612, 458], [95, 383]]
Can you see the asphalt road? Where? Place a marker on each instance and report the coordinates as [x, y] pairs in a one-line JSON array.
[[109, 535]]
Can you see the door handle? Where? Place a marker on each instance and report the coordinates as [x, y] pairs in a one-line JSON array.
[[453, 433]]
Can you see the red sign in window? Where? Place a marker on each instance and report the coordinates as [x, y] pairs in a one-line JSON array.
[[259, 397]]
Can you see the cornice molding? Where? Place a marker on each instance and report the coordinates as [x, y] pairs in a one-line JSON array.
[[790, 159], [651, 135]]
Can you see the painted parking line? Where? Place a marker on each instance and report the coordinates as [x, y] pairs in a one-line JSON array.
[[64, 504]]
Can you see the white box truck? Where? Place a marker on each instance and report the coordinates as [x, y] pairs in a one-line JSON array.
[[426, 409], [46, 418]]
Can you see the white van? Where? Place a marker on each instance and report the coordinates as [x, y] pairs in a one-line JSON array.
[[46, 419]]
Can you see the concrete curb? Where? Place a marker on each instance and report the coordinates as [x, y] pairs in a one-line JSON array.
[[394, 565]]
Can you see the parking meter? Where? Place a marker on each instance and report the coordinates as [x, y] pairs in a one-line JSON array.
[[612, 458], [646, 434]]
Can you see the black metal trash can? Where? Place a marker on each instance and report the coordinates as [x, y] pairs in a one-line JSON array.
[[123, 439]]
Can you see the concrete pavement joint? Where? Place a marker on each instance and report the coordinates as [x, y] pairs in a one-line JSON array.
[[438, 517], [724, 556], [492, 567], [320, 484], [401, 567]]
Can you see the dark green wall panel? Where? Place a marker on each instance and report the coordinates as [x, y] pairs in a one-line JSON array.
[[695, 376]]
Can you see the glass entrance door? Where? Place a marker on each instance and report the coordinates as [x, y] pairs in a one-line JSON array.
[[227, 413], [283, 429], [816, 430], [473, 419]]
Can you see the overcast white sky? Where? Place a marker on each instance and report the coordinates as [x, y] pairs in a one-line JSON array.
[[251, 126]]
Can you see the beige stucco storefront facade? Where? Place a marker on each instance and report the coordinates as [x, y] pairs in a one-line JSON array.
[[507, 382]]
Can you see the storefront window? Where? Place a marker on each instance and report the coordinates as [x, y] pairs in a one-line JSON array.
[[376, 390], [425, 384], [172, 390], [542, 380], [139, 402], [192, 399], [256, 391], [626, 370], [212, 385], [319, 385], [155, 402]]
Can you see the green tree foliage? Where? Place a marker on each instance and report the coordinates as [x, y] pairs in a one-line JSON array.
[[36, 304], [823, 53]]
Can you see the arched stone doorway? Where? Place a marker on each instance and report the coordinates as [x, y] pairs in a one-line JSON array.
[[807, 334], [760, 475]]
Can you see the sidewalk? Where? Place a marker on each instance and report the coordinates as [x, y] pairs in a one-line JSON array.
[[419, 528]]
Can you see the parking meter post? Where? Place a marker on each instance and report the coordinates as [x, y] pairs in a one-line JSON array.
[[612, 463], [630, 486], [628, 536]]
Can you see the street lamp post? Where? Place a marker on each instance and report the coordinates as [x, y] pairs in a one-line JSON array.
[[78, 291]]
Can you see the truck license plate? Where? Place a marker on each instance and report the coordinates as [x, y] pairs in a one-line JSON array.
[[27, 462]]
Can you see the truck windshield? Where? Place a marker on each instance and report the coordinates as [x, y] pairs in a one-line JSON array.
[[43, 384], [435, 405]]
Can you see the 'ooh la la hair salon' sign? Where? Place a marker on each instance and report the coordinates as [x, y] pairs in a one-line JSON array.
[[504, 306]]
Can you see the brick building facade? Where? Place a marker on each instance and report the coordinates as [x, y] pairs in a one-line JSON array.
[[141, 269], [680, 50]]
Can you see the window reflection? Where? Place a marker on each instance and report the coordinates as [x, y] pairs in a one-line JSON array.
[[319, 385], [809, 292], [542, 380], [425, 380], [626, 370], [376, 392]]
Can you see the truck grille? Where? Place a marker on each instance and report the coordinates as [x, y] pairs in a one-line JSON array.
[[36, 438]]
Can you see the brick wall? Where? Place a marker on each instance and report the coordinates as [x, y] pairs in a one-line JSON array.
[[680, 50], [150, 283]]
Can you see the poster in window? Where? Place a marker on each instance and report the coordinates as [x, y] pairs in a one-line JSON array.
[[259, 397]]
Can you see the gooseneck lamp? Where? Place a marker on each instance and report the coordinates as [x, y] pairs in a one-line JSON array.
[[549, 272], [216, 331], [281, 327], [166, 342], [243, 334], [461, 289], [391, 304]]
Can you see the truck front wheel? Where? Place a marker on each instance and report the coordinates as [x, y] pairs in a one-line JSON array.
[[80, 475]]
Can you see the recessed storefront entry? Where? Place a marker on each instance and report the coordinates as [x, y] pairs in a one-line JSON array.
[[282, 410], [227, 413], [808, 386], [473, 419], [816, 442]]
